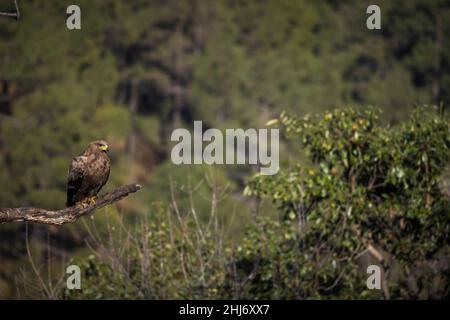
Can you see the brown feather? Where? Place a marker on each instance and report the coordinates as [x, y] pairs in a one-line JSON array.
[[88, 173]]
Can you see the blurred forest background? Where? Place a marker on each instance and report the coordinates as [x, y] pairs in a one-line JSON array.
[[139, 69]]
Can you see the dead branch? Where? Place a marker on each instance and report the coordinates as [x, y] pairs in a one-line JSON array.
[[13, 15], [67, 215]]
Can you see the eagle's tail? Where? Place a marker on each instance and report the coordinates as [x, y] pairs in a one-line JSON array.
[[70, 197]]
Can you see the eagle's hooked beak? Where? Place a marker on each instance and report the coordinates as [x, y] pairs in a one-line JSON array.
[[104, 148]]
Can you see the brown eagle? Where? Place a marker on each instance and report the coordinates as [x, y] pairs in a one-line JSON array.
[[88, 173]]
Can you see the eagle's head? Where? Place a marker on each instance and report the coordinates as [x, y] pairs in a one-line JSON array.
[[99, 145]]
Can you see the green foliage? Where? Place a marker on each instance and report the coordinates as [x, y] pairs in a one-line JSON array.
[[167, 257], [369, 185]]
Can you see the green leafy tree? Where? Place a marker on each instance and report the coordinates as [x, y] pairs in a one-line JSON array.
[[367, 186]]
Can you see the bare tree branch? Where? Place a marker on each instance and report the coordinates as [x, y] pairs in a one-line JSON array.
[[14, 15], [67, 215]]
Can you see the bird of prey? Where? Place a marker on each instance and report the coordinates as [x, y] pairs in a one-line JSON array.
[[88, 173]]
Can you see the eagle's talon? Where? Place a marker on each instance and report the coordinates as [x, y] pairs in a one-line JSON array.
[[92, 200]]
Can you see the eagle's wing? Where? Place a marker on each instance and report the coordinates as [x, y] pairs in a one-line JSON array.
[[103, 167], [76, 173]]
